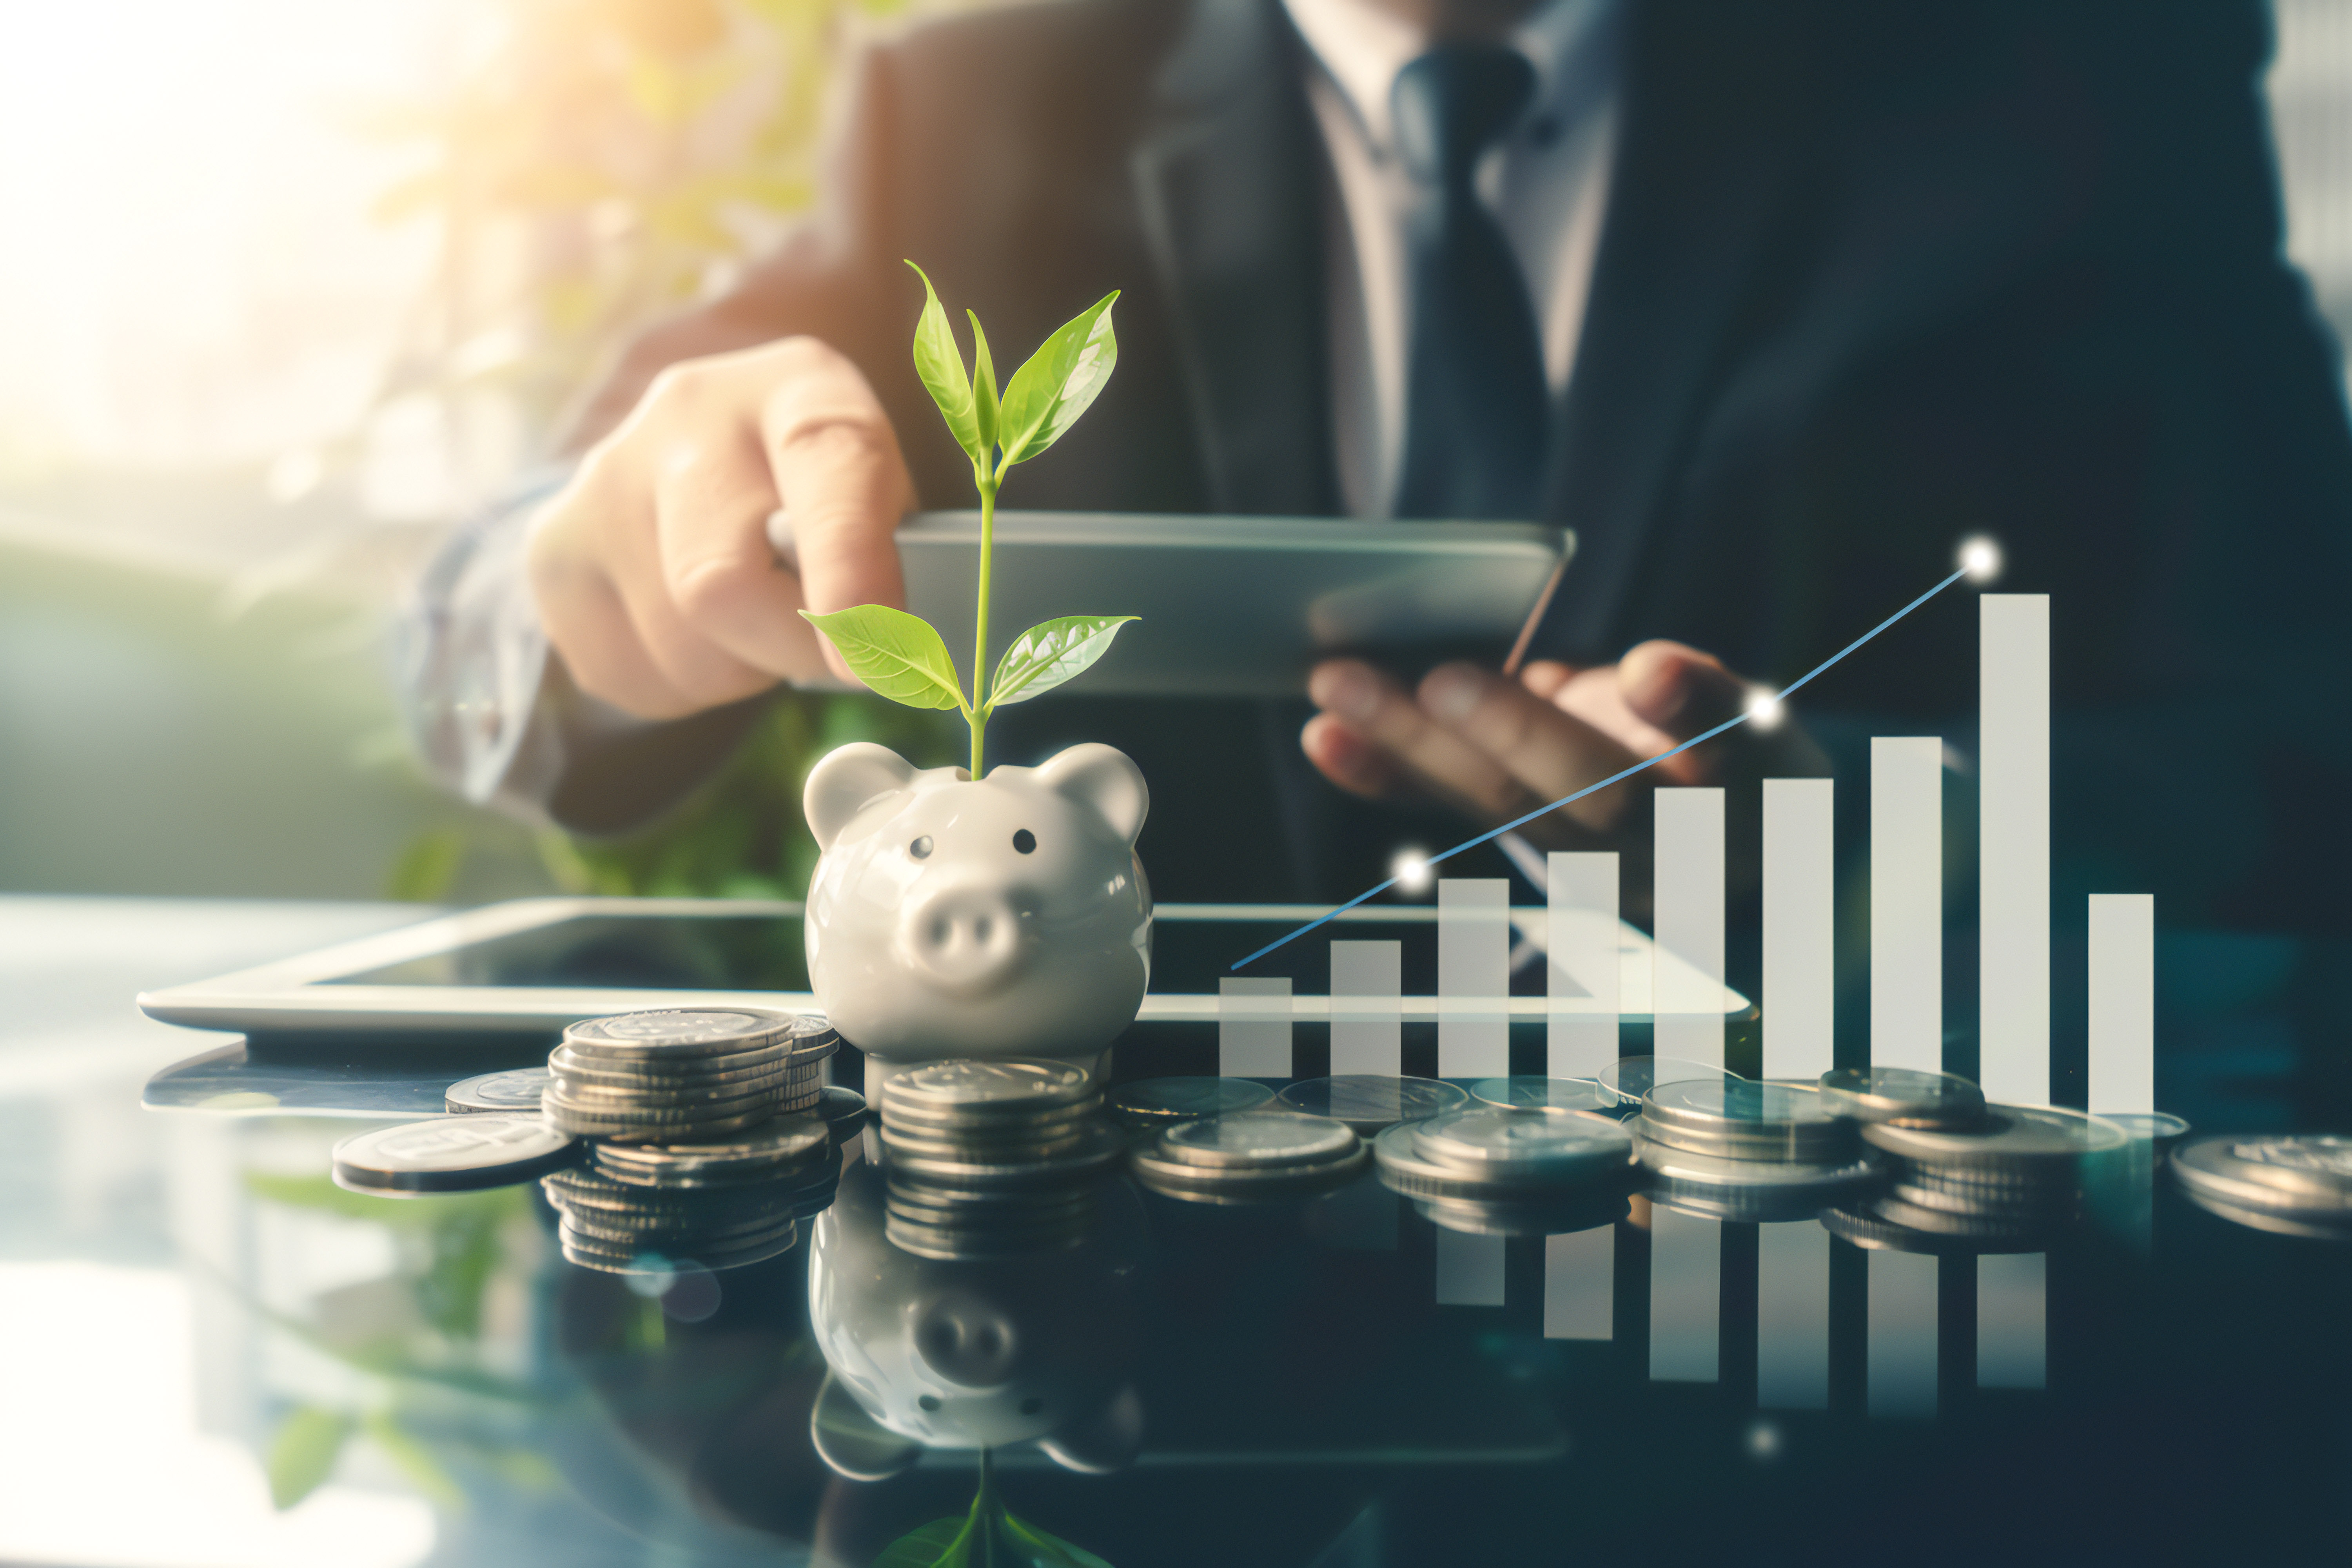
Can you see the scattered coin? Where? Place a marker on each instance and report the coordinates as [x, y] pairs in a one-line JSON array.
[[2304, 1178], [1565, 1094], [2012, 1143], [516, 1091], [2160, 1128], [1368, 1103], [1156, 1101], [1256, 1139], [462, 1152], [1903, 1096]]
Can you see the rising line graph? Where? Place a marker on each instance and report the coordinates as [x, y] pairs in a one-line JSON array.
[[1492, 834]]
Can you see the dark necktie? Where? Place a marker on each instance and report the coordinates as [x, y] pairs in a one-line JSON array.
[[1475, 393]]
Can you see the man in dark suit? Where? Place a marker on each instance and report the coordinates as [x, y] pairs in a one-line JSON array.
[[1810, 291]]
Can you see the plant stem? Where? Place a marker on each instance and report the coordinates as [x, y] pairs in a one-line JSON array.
[[980, 636]]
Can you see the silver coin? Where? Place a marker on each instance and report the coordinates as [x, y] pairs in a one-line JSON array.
[[993, 1150], [1104, 1146], [1988, 1201], [1532, 1216], [1861, 1224], [1406, 1169], [1368, 1103], [1522, 1145], [591, 1099], [2160, 1128], [777, 1144], [1080, 1191], [692, 1072], [1904, 1096], [653, 1229], [2309, 1175], [632, 1130], [1733, 1118], [957, 1246], [1256, 1138], [1631, 1077], [922, 1122], [454, 1153], [599, 1190], [517, 1090], [608, 1258], [1154, 1101], [1563, 1094], [676, 1032], [2277, 1222], [586, 1114], [1012, 1087], [1162, 1171], [2024, 1139], [1664, 1162], [1966, 1226], [1049, 1208]]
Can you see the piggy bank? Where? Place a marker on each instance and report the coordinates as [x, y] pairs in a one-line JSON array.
[[974, 1354], [954, 917]]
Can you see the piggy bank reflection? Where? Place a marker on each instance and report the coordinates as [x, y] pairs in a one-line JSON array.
[[926, 1352], [954, 918]]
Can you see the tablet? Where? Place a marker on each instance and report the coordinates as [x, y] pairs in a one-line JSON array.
[[519, 971], [1233, 606]]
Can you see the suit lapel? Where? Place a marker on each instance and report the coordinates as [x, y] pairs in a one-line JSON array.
[[1225, 182], [1700, 167]]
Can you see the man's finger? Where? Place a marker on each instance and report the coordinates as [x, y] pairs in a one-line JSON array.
[[1550, 753], [711, 502], [1385, 716], [592, 632]]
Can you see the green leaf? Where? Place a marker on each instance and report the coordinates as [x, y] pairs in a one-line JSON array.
[[303, 1453], [1037, 1548], [942, 1543], [940, 365], [1046, 396], [897, 654], [1046, 655], [983, 389]]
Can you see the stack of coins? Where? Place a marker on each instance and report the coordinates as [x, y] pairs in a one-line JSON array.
[[1256, 1156], [456, 1154], [1368, 1103], [1156, 1102], [1903, 1096], [2294, 1186], [2018, 1171], [992, 1158], [683, 1075], [1497, 1154], [722, 1203], [1754, 1146]]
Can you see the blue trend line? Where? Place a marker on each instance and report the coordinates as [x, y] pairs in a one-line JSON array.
[[1492, 834]]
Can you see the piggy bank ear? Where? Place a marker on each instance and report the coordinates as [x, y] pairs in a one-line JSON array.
[[844, 781], [1102, 779], [852, 1443], [1104, 1442]]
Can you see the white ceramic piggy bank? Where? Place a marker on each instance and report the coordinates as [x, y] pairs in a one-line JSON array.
[[1006, 917]]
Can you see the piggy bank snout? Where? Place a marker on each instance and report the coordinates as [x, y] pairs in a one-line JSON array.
[[965, 1340], [964, 940]]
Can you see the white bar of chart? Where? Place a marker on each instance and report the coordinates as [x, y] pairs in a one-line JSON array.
[[1688, 923], [1685, 1296], [2012, 1320], [1580, 936], [1800, 927], [1580, 1285], [1254, 1027], [2014, 847], [1792, 1316], [1367, 1007], [1469, 1269], [2123, 1002], [1901, 1360], [1907, 902], [1474, 977]]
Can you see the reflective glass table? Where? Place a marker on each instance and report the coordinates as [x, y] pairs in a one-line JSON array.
[[215, 1354]]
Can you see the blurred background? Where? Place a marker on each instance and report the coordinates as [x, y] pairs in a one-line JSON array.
[[289, 285]]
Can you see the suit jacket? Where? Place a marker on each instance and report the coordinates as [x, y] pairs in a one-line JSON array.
[[1872, 278]]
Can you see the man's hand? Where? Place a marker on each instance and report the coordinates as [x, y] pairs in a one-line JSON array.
[[652, 569], [1496, 748]]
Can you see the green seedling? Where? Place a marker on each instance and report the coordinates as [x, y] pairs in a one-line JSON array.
[[903, 657]]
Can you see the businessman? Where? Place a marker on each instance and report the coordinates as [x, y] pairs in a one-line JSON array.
[[1773, 304]]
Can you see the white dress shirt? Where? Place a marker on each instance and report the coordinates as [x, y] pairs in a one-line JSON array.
[[1546, 180]]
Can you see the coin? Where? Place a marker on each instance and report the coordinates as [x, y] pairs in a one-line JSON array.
[[1604, 1157], [2021, 1141], [2160, 1128], [1567, 1094], [986, 1167], [633, 1129], [591, 1101], [1545, 1215], [1256, 1138], [589, 1252], [2308, 1176], [676, 1032], [985, 1090], [1053, 1121], [1631, 1077], [1736, 1118], [1667, 1162], [2311, 1227], [1904, 1096], [517, 1089], [1242, 1184], [1154, 1101], [779, 1143], [1989, 1226], [692, 1073], [1368, 1103], [1018, 1145], [1522, 1146], [454, 1153]]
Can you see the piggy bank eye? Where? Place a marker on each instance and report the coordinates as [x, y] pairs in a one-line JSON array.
[[921, 847], [1025, 841]]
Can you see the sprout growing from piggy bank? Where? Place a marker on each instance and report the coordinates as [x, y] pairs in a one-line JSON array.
[[960, 913]]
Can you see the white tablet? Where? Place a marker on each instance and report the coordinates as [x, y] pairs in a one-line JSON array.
[[1232, 607]]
